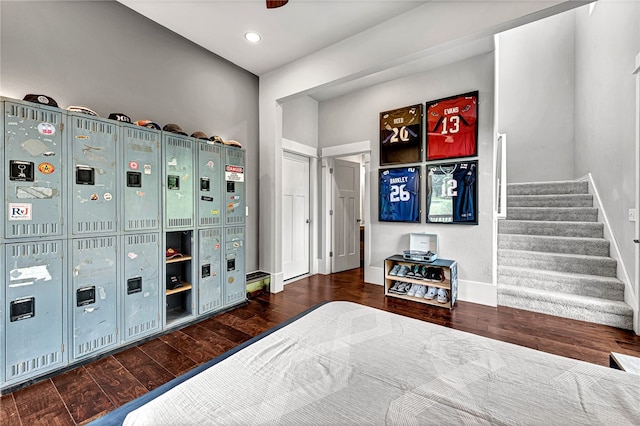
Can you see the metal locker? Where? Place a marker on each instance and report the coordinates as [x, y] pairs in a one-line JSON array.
[[234, 182], [34, 309], [178, 181], [210, 201], [141, 284], [140, 177], [34, 160], [210, 281], [234, 266], [94, 295], [93, 180]]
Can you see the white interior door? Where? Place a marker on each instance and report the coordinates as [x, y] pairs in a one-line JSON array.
[[346, 216], [295, 215]]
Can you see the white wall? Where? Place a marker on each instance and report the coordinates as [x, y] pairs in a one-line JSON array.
[[111, 59], [355, 117], [607, 42], [300, 121], [536, 95]]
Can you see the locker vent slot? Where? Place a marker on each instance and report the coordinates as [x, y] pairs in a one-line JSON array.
[[209, 221], [177, 223], [211, 305], [210, 148], [142, 224], [142, 328], [34, 229], [236, 154], [209, 233], [95, 126], [235, 297], [35, 249], [141, 135], [95, 344], [235, 220], [142, 239], [179, 143], [94, 243], [230, 232], [37, 363], [96, 226]]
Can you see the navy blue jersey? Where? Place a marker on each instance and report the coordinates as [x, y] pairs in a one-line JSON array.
[[463, 204], [400, 195]]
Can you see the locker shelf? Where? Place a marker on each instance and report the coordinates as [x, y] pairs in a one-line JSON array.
[[185, 287]]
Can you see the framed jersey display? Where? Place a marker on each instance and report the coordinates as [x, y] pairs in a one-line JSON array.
[[452, 193], [452, 127], [399, 196], [401, 135]]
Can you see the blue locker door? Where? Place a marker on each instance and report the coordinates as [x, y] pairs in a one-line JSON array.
[[141, 178], [94, 297], [141, 285], [234, 181], [210, 201], [34, 309], [178, 181], [210, 281], [235, 286], [34, 154], [93, 175]]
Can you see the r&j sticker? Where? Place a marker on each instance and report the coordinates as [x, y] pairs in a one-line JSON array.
[[19, 211]]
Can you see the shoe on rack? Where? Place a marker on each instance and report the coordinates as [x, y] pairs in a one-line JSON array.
[[410, 272], [394, 287], [422, 289], [403, 271], [424, 269], [403, 288], [412, 290], [431, 293], [416, 271], [394, 270], [443, 296]]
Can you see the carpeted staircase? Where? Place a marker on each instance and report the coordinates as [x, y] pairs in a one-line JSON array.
[[553, 258]]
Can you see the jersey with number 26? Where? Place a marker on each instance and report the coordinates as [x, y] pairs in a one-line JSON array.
[[400, 195]]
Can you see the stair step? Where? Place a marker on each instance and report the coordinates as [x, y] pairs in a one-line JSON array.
[[553, 244], [569, 214], [555, 228], [584, 308], [580, 284], [572, 263], [563, 200], [547, 188]]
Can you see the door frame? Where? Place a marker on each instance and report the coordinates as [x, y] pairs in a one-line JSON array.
[[636, 283], [326, 244], [311, 153]]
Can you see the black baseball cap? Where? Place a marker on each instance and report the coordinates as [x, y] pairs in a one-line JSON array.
[[118, 116], [41, 99]]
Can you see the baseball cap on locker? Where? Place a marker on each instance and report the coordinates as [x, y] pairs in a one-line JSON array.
[[118, 116], [200, 135], [81, 109], [40, 99], [172, 253], [174, 128], [216, 138], [233, 143], [148, 123]]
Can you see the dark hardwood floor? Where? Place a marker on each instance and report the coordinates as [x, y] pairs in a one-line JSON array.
[[85, 393]]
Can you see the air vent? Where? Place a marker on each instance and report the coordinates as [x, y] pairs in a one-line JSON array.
[[95, 344], [33, 364]]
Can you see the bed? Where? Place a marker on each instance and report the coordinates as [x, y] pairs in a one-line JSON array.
[[346, 364]]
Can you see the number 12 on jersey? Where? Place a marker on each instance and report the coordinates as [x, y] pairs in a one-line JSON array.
[[399, 195]]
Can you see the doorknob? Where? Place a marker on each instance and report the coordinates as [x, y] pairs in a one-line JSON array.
[[308, 221], [636, 241], [358, 220]]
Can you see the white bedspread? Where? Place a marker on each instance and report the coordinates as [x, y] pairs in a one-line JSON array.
[[344, 363]]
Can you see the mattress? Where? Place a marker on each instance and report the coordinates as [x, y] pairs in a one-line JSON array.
[[347, 364]]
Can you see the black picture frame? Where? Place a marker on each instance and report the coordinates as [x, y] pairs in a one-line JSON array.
[[452, 127], [399, 194], [401, 135], [452, 193]]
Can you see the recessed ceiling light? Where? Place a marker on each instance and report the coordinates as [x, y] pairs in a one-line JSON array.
[[252, 37]]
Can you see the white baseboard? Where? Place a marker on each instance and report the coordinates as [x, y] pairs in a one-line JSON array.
[[374, 275], [277, 282]]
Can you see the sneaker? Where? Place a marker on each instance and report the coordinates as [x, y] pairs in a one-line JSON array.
[[403, 288], [403, 271], [394, 270], [412, 290], [422, 289], [443, 296], [394, 287], [431, 293], [416, 271], [424, 270]]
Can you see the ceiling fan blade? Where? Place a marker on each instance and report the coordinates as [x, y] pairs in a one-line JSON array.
[[272, 4]]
